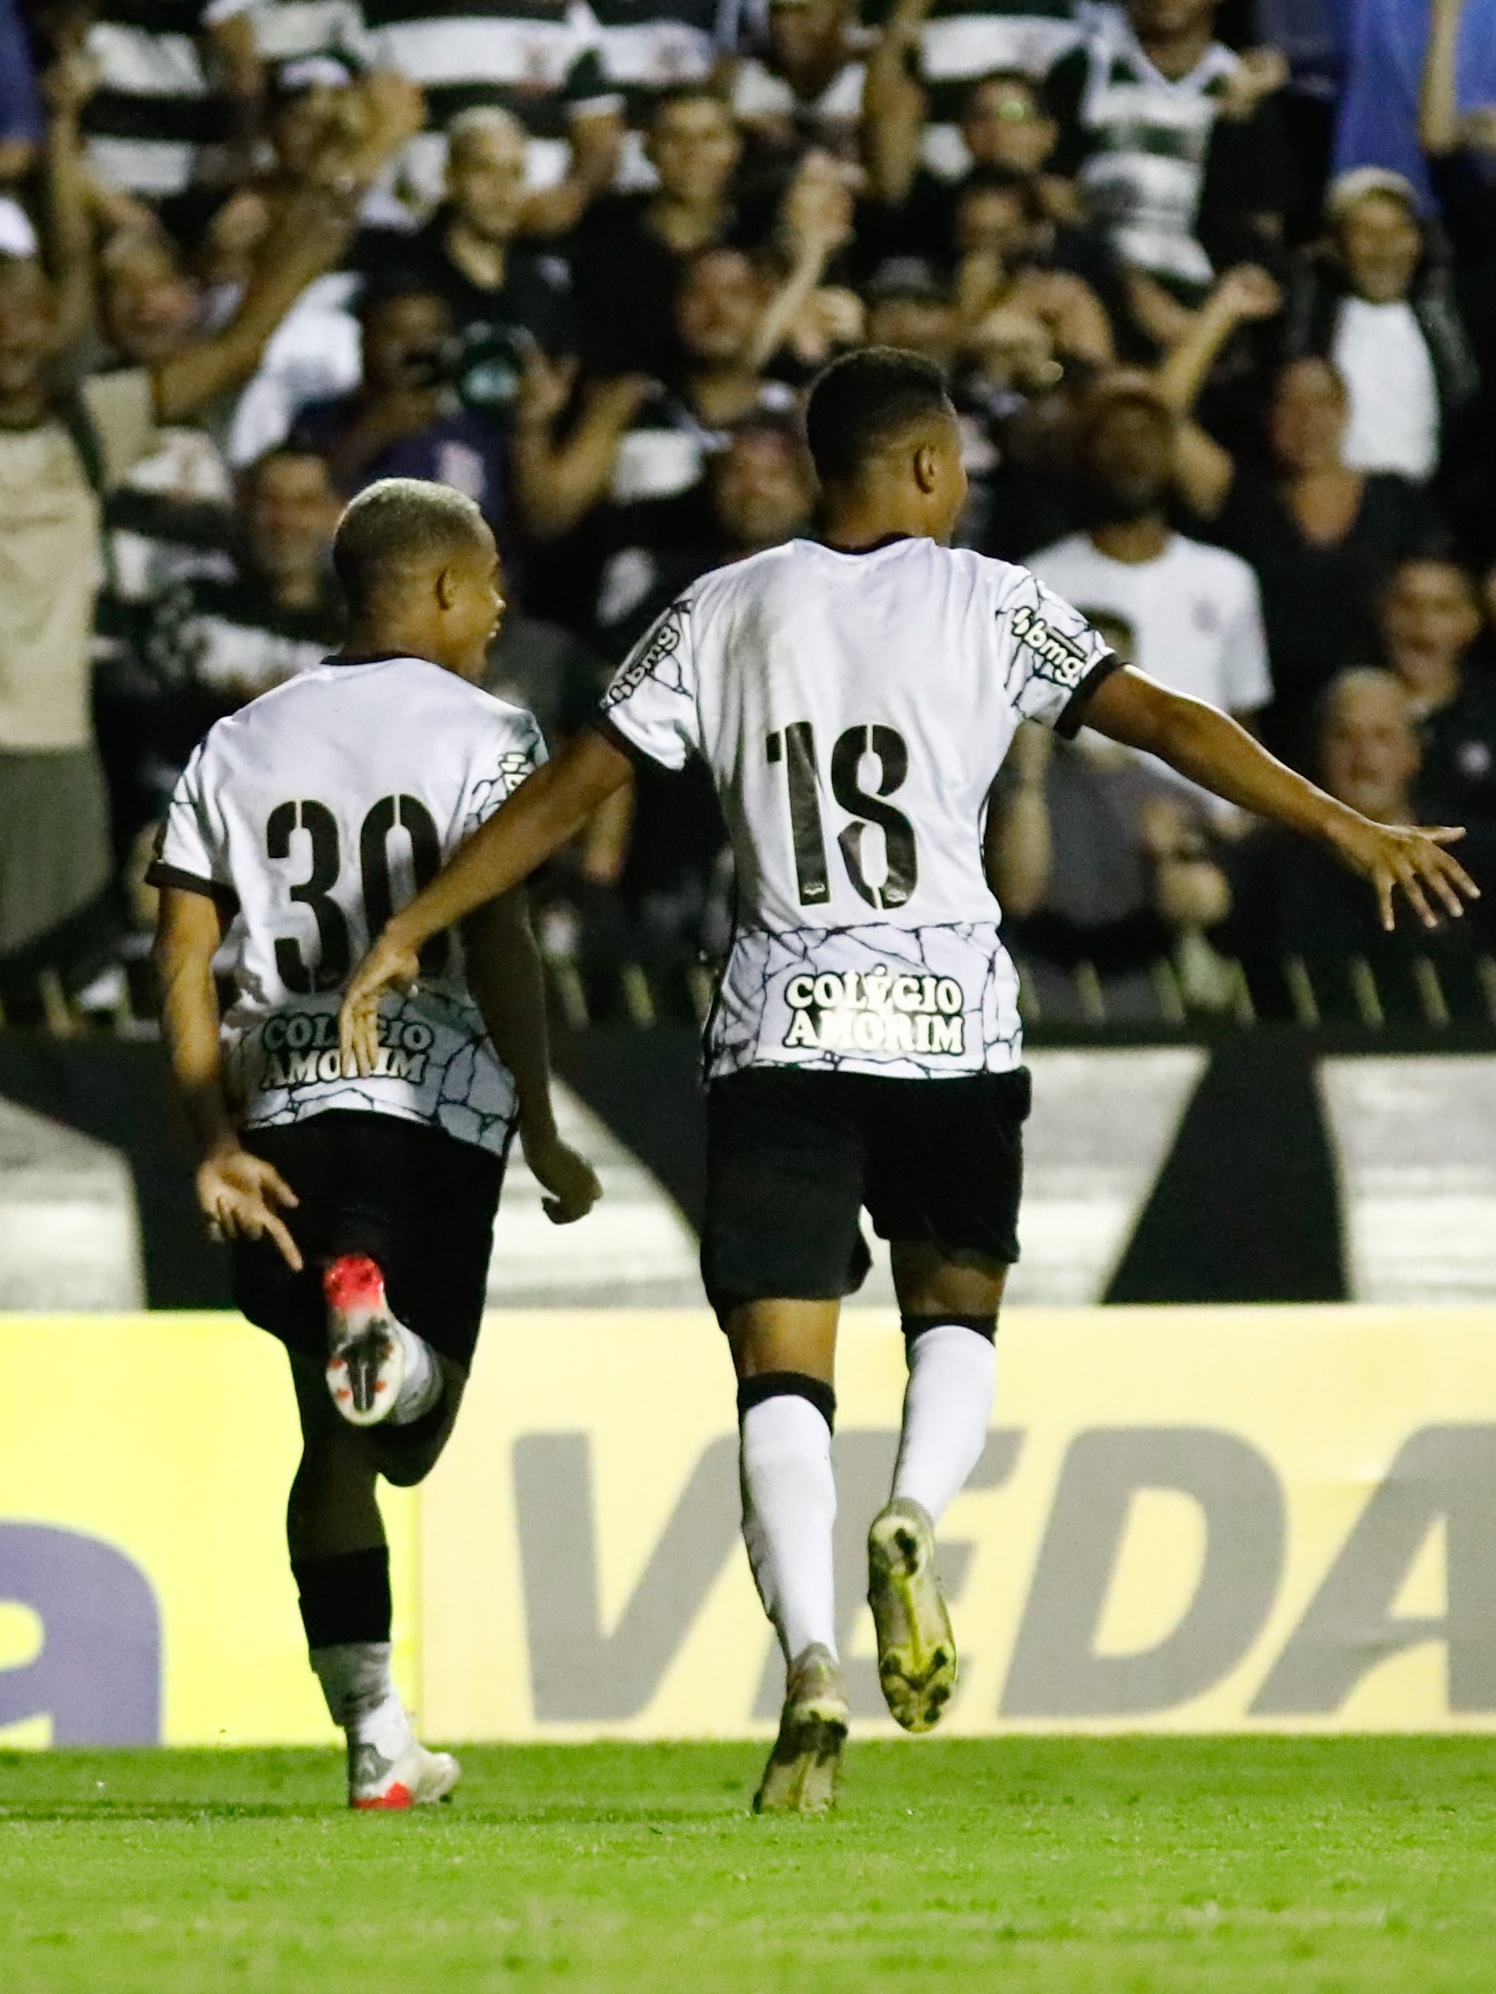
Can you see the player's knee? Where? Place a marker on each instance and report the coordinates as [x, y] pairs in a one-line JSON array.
[[915, 1326]]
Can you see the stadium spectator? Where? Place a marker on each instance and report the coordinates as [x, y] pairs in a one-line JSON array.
[[760, 493], [1005, 127], [1193, 609], [1430, 620], [799, 86], [1320, 535], [171, 515], [729, 322], [1102, 867], [56, 458], [1010, 394], [1004, 202], [405, 419], [603, 333], [1376, 300], [927, 65], [504, 298], [1308, 937], [316, 107], [1183, 181], [539, 61], [647, 48], [60, 453], [628, 254], [910, 305], [231, 637]]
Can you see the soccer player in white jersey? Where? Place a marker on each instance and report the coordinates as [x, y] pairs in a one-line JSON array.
[[361, 1211], [854, 698]]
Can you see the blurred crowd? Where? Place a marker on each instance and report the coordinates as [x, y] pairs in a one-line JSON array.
[[1213, 281]]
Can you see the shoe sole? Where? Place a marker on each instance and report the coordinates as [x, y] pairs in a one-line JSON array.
[[917, 1662], [804, 1768], [361, 1394]]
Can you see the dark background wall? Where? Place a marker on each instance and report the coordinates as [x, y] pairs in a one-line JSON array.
[[1245, 1208]]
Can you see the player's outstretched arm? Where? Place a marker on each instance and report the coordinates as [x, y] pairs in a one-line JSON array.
[[240, 1195], [1215, 752], [505, 976], [546, 810]]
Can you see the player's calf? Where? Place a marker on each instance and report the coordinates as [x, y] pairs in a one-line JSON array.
[[378, 1370]]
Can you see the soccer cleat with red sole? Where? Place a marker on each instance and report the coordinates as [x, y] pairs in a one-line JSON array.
[[418, 1778], [366, 1357]]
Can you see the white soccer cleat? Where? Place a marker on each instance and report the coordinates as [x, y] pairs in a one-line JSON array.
[[916, 1647], [804, 1768], [366, 1353], [417, 1778]]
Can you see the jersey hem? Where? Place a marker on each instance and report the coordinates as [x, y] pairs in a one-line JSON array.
[[394, 1114]]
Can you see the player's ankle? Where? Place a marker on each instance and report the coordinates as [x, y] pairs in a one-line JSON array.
[[422, 1386]]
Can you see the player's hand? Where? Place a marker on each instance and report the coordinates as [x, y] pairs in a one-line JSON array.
[[242, 1197], [1399, 858], [389, 965], [559, 1169]]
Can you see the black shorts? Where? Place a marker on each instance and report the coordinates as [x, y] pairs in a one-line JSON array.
[[413, 1198], [792, 1158]]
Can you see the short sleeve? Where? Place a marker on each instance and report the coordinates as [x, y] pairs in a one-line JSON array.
[[1246, 680], [121, 408], [1054, 659], [650, 709], [192, 847], [517, 753]]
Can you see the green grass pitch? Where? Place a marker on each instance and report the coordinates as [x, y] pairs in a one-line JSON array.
[[1340, 1866]]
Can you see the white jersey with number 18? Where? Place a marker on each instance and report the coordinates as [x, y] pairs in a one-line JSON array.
[[854, 710], [311, 815]]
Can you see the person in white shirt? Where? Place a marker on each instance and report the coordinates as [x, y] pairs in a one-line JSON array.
[[854, 697], [360, 1208], [1377, 302], [1194, 610]]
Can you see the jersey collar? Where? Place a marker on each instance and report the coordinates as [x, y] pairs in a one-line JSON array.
[[872, 547]]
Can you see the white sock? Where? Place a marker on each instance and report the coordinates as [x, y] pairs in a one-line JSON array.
[[947, 1403], [789, 1509], [423, 1377], [361, 1698]]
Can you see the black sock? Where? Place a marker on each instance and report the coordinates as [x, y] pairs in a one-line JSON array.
[[344, 1598]]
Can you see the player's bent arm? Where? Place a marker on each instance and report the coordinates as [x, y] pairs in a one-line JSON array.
[[547, 809], [1212, 750], [506, 979], [238, 1193]]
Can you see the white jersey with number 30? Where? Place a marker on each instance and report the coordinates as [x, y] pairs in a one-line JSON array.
[[314, 813], [854, 710]]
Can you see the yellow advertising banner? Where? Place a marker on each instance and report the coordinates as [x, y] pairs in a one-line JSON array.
[[1184, 1520]]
